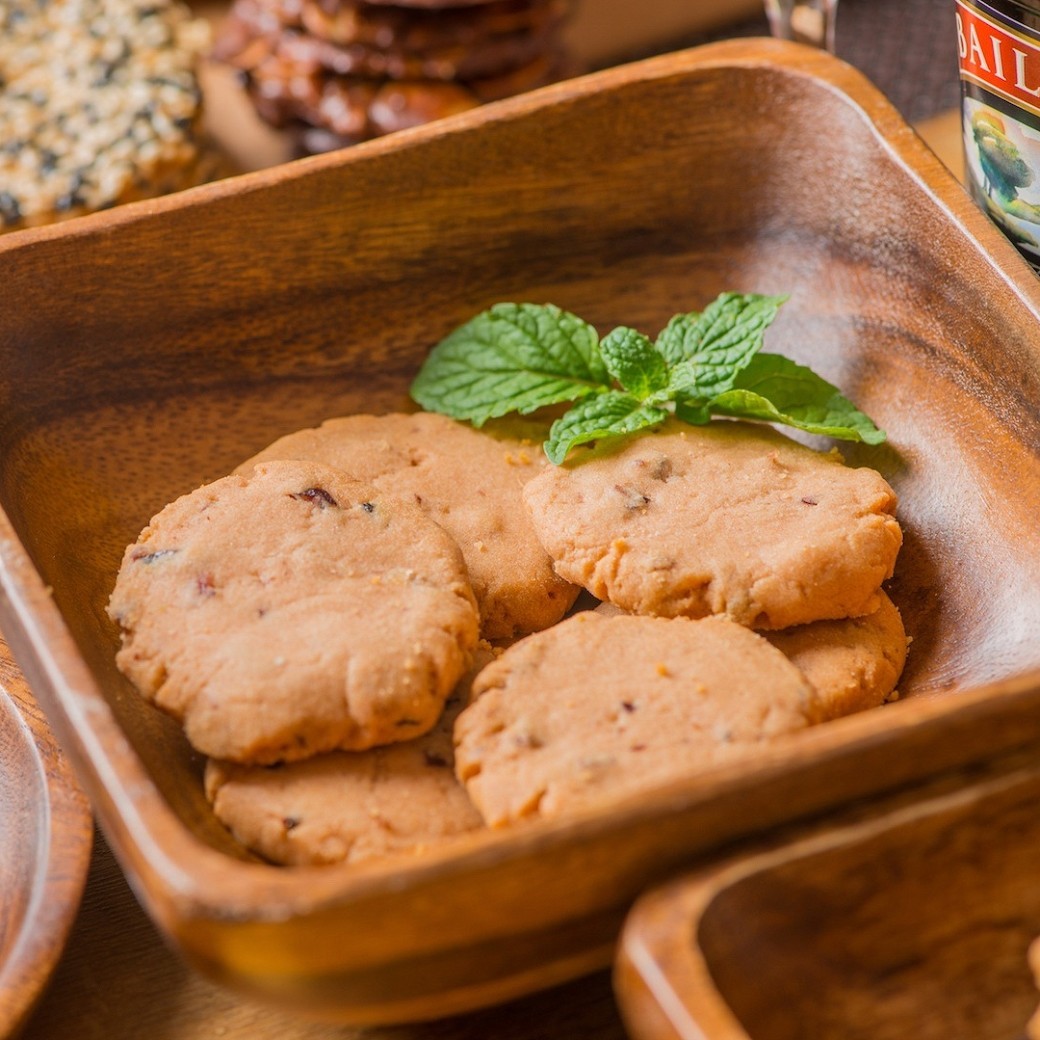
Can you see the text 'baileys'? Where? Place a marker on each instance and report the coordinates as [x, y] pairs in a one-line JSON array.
[[999, 51]]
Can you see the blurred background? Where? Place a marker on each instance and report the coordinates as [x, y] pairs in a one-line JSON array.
[[908, 48]]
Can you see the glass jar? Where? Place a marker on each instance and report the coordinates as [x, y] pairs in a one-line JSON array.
[[999, 49]]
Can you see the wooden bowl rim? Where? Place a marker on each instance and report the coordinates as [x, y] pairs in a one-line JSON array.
[[660, 948]]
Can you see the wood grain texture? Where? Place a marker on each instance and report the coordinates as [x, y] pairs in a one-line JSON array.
[[118, 981], [45, 838], [914, 922], [149, 349]]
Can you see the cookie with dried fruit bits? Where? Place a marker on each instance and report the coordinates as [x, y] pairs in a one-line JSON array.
[[729, 518], [351, 806], [597, 709], [470, 482], [854, 663], [294, 611]]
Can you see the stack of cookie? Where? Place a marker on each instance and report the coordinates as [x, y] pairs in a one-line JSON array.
[[313, 621], [336, 72]]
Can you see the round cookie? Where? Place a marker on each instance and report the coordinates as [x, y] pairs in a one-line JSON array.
[[498, 56], [596, 709], [292, 612], [469, 481], [728, 518], [853, 664], [255, 29], [351, 806], [356, 108], [101, 105], [420, 31]]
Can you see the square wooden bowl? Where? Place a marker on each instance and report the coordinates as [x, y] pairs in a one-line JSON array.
[[914, 922], [150, 349]]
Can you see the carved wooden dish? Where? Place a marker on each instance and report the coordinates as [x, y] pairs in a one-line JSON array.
[[147, 350], [916, 922], [45, 841]]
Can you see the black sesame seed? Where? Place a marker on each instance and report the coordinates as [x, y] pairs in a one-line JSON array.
[[368, 507], [10, 211]]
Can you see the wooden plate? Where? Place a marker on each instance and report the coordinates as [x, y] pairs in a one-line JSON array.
[[46, 832], [149, 349], [913, 923]]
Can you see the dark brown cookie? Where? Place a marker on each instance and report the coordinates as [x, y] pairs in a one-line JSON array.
[[421, 31], [355, 109]]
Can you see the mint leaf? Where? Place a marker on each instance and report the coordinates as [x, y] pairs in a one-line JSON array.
[[518, 357], [515, 357], [692, 410], [631, 359], [605, 415], [776, 389], [706, 351]]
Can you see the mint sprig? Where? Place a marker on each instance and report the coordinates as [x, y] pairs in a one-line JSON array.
[[519, 357]]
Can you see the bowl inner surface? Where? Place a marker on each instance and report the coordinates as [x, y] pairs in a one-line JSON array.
[[920, 931]]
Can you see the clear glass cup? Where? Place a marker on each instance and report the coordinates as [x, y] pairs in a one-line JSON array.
[[805, 21]]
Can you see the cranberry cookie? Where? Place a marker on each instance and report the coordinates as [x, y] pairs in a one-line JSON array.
[[470, 482], [292, 612], [728, 518], [599, 708]]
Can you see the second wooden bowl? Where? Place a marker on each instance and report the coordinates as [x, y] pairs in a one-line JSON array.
[[913, 923]]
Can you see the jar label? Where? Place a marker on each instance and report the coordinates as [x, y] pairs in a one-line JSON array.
[[1000, 81], [1003, 59]]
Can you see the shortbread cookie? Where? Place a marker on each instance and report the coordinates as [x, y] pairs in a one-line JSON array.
[[469, 481], [292, 612], [99, 105], [853, 664], [350, 806], [595, 709], [728, 518]]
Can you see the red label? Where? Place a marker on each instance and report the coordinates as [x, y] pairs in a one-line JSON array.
[[1003, 60]]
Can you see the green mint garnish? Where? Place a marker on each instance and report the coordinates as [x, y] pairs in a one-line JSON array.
[[516, 357], [519, 357], [605, 415]]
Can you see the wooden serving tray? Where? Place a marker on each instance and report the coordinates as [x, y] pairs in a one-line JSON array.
[[149, 349], [915, 922]]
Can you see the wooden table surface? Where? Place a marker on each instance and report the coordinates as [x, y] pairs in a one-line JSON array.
[[117, 980]]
